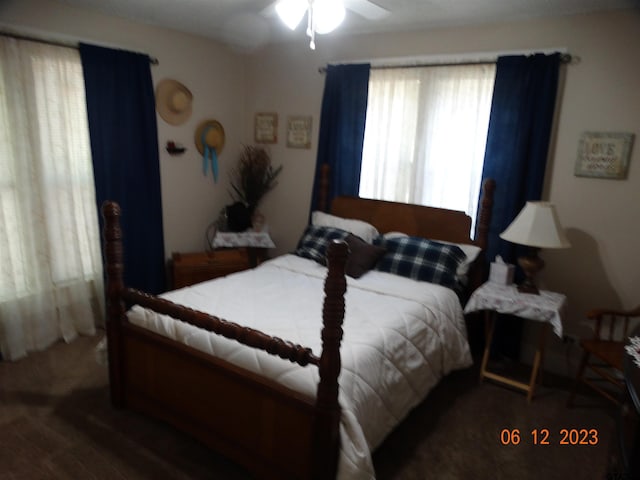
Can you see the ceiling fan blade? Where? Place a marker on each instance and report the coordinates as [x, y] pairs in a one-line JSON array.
[[367, 9], [269, 11]]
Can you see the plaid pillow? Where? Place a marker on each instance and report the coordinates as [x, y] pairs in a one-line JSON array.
[[421, 259], [315, 240]]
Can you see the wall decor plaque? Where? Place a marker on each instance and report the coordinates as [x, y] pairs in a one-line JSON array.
[[266, 128], [299, 131], [604, 155]]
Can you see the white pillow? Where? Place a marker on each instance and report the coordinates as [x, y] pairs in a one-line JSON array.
[[364, 230], [392, 235]]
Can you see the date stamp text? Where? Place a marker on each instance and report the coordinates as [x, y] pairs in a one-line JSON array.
[[544, 436]]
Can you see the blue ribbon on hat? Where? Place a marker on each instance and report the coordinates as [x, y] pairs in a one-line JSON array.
[[209, 153]]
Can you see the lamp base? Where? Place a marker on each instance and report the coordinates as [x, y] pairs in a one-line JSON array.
[[531, 265], [528, 288]]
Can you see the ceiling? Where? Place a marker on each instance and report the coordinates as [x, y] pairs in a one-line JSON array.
[[249, 24]]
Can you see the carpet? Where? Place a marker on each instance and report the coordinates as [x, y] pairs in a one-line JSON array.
[[56, 422]]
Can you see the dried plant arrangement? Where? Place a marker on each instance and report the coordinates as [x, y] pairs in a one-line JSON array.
[[253, 177]]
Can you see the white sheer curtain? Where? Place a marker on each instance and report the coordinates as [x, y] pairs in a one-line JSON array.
[[50, 262], [425, 135]]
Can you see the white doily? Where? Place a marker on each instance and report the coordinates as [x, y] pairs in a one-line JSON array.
[[634, 349]]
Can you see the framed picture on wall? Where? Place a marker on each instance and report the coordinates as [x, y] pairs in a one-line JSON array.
[[299, 131], [266, 128], [604, 155]]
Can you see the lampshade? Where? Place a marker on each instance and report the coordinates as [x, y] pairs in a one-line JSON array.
[[537, 225]]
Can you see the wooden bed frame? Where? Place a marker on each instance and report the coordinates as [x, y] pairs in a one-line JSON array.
[[273, 431]]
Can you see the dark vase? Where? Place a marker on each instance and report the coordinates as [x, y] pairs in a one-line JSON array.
[[238, 217]]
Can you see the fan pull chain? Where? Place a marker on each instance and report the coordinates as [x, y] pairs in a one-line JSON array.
[[311, 26]]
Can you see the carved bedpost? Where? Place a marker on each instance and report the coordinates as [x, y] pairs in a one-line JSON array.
[[480, 270], [484, 216], [326, 439], [114, 267]]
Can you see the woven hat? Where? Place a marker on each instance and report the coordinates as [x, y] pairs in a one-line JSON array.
[[173, 101], [212, 132]]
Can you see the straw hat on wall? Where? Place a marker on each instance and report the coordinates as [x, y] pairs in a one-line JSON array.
[[209, 140], [173, 101], [213, 137]]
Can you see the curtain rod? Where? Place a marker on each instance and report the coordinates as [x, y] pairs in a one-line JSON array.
[[58, 43], [564, 58]]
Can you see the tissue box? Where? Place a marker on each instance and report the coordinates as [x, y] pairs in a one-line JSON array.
[[501, 273]]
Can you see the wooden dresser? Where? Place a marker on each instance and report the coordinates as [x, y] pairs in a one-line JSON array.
[[190, 268]]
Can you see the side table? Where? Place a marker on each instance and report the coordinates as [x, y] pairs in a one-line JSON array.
[[547, 307]]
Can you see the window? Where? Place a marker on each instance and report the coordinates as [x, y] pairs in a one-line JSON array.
[[50, 262], [425, 135]]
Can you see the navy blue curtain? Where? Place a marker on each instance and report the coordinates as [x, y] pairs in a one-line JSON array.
[[342, 121], [522, 111], [124, 146]]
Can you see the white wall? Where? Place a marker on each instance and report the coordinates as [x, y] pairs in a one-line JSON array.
[[214, 74], [600, 93]]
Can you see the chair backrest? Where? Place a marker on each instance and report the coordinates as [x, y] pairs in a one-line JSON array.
[[613, 324]]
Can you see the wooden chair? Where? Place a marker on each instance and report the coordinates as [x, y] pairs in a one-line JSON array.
[[603, 354]]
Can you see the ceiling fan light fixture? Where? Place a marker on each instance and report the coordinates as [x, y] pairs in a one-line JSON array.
[[328, 15], [291, 11], [323, 16]]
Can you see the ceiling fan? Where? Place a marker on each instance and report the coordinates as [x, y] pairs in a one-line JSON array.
[[366, 9], [323, 16]]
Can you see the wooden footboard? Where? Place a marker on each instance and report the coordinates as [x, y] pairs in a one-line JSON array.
[[271, 430]]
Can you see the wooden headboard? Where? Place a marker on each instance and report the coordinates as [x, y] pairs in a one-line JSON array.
[[418, 220], [428, 222], [434, 223]]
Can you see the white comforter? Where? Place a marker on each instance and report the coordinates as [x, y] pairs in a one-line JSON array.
[[400, 337]]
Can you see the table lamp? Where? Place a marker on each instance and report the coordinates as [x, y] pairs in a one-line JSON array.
[[536, 226]]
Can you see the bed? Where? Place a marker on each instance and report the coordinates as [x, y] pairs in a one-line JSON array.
[[285, 397]]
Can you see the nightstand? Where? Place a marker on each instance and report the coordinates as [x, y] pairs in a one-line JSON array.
[[547, 307], [190, 268]]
